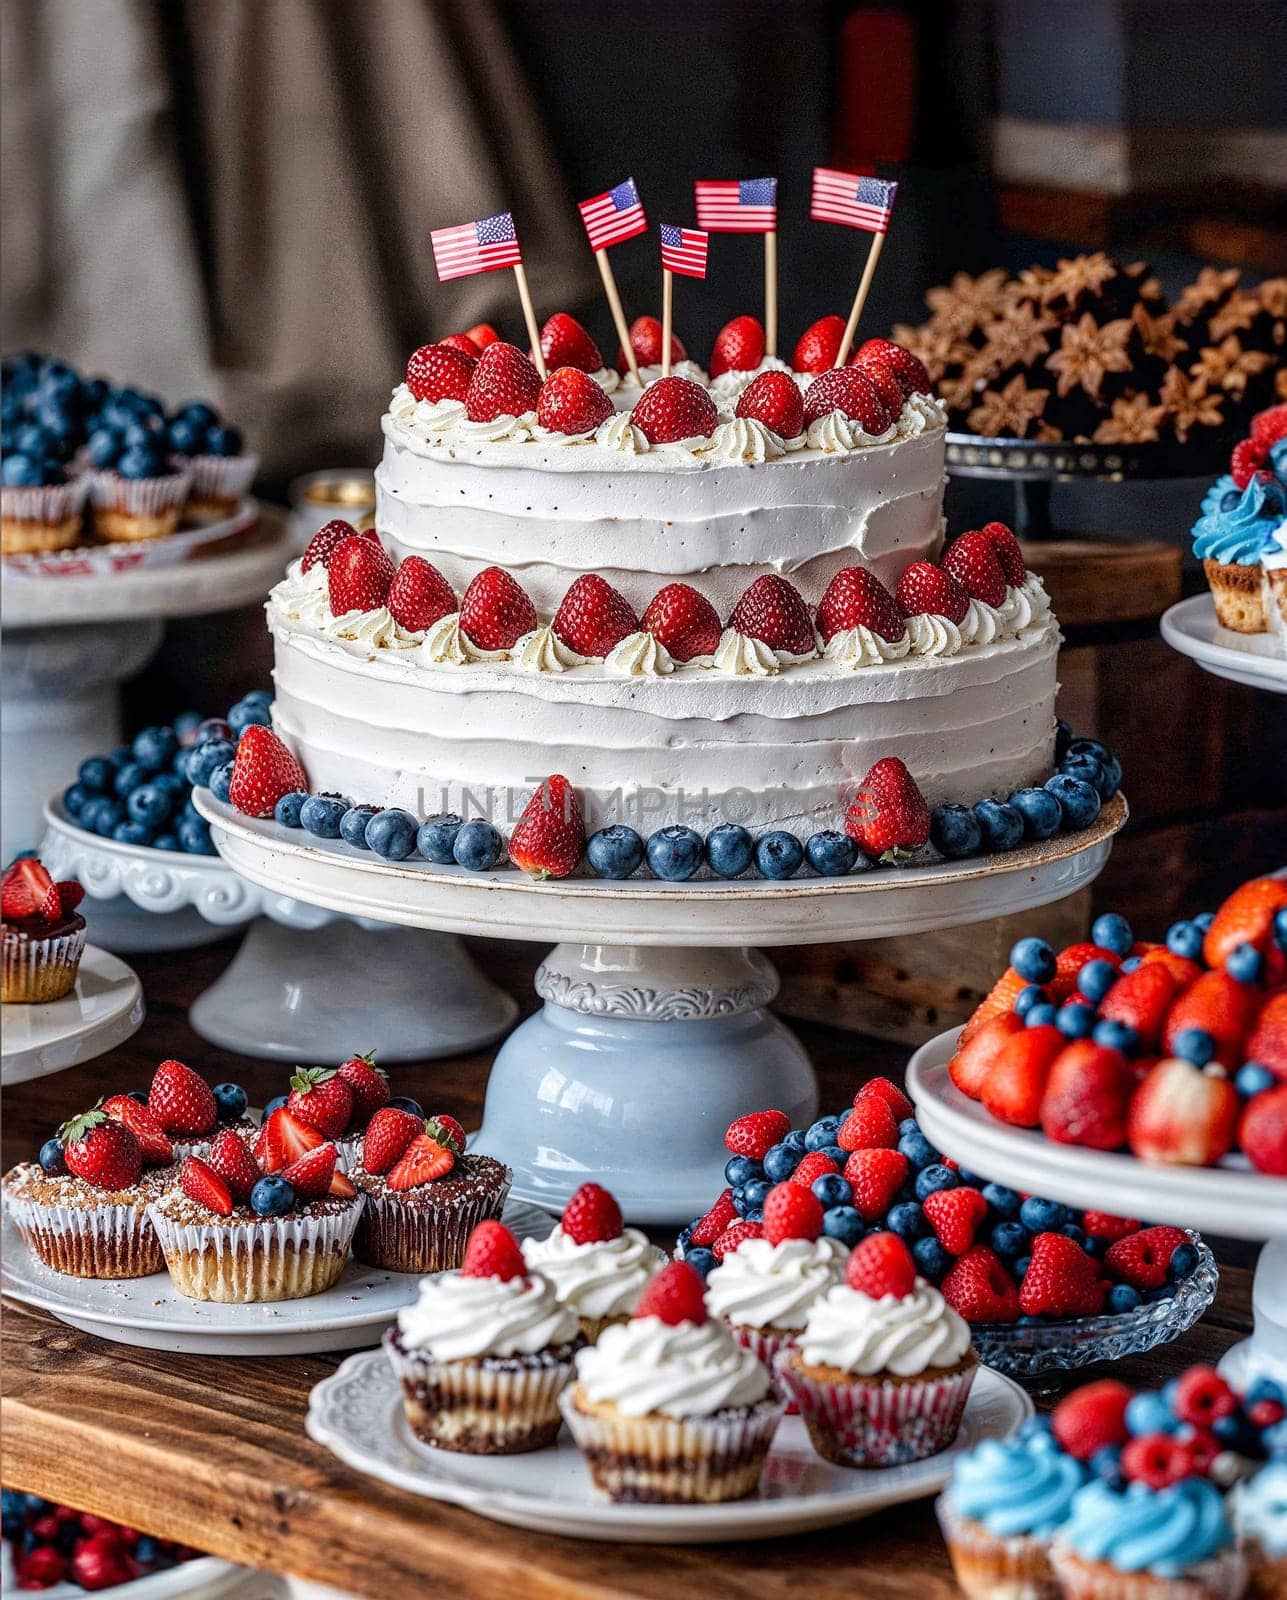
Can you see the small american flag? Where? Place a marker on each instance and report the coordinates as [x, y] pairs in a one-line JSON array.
[[683, 250], [739, 205], [480, 246], [616, 215], [858, 202]]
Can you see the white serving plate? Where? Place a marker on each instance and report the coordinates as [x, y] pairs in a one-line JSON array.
[[103, 560], [1191, 628], [103, 1010]]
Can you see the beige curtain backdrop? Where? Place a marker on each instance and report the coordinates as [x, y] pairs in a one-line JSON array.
[[233, 197]]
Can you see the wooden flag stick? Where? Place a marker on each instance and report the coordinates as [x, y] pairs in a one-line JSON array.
[[618, 315], [771, 293], [667, 300], [860, 299], [529, 317]]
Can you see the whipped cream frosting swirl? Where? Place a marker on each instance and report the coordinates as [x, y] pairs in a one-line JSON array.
[[763, 1285], [982, 623], [863, 647], [377, 629], [304, 596], [1260, 1509], [425, 419], [603, 1278], [502, 427], [691, 1370], [456, 1317], [447, 644], [933, 635], [745, 439], [836, 433], [639, 655], [741, 656], [620, 434], [854, 1333], [543, 651]]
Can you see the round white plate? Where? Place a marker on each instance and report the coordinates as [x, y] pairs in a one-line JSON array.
[[152, 1314], [1232, 1199], [357, 1413], [1191, 628], [103, 1010], [203, 1578], [103, 560]]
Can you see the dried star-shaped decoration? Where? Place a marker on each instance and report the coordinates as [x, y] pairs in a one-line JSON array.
[[1009, 412], [938, 348], [1236, 316], [959, 307], [1088, 351], [1273, 297], [1134, 420], [1018, 339], [1157, 335], [1082, 275], [1228, 366], [1189, 403], [1210, 287]]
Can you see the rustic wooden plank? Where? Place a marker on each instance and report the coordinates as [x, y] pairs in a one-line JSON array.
[[1097, 582]]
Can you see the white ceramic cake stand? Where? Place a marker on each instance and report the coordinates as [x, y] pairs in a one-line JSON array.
[[654, 1033], [1191, 628], [1231, 1199], [70, 642], [103, 1010], [307, 985]]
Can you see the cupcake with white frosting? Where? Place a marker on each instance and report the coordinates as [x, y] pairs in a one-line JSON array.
[[598, 1267], [1260, 1517], [883, 1368], [668, 1408], [483, 1352]]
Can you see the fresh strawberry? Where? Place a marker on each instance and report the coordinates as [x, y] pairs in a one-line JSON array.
[[973, 562], [1141, 999], [756, 1133], [593, 617], [869, 1126], [1246, 917], [368, 1086], [979, 1289], [482, 334], [1246, 461], [887, 383], [440, 372], [888, 814], [723, 1214], [422, 1161], [998, 1002], [970, 1067], [955, 1216], [203, 1184], [388, 1134], [738, 347], [146, 1127], [446, 1130], [1103, 1225], [677, 1294], [1267, 427], [929, 591], [890, 1093], [910, 368], [504, 383], [674, 408], [322, 1099], [70, 895], [875, 1176], [572, 402], [419, 595], [23, 889], [50, 908], [1220, 1006], [1142, 1259], [856, 598], [734, 1236], [814, 1165], [230, 1157], [791, 1212], [1092, 1418], [492, 1252], [1156, 1460], [1267, 1041], [774, 399], [496, 612], [1010, 556], [1182, 1114], [1262, 1131], [311, 1175], [263, 770], [851, 391], [101, 1150], [359, 576], [181, 1100], [284, 1138], [645, 341], [880, 1265], [683, 620], [565, 343], [548, 840], [1069, 962], [1061, 1280], [819, 345], [771, 610], [591, 1216], [1086, 1096], [463, 343], [342, 1186], [1014, 1087]]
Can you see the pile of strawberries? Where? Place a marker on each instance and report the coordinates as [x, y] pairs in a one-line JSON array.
[[55, 1544], [1176, 1051]]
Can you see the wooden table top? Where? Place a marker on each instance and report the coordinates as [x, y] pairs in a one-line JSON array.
[[213, 1451]]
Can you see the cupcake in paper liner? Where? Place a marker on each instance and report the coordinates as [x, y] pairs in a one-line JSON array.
[[43, 934], [484, 1352], [130, 509], [38, 518], [766, 1288], [425, 1226], [1259, 1509], [212, 451], [1228, 538], [597, 1265]]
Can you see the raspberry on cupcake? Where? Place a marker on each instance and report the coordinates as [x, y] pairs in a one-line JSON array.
[[44, 934], [598, 1267]]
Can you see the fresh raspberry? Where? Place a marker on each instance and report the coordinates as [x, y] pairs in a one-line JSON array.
[[496, 612], [311, 1175], [462, 342], [816, 1164], [321, 1098], [739, 346], [1086, 1096], [645, 341], [1092, 1418], [674, 408], [504, 383], [593, 618], [591, 1216], [181, 1100], [1102, 1225], [1181, 1114], [70, 895], [1142, 1259], [1262, 1131], [677, 1294], [101, 1150], [791, 1212], [772, 610], [856, 598], [439, 372], [869, 1126], [971, 1066], [909, 367], [1246, 461], [925, 590], [774, 399], [492, 1252], [973, 562], [1203, 1448], [368, 1086], [881, 1264], [875, 1176], [548, 840], [359, 576], [230, 1157], [851, 391], [1010, 556], [684, 621], [888, 815], [756, 1133], [1141, 999], [1265, 1413], [1267, 427], [565, 343], [388, 1135], [325, 541], [419, 595], [1156, 1459], [1203, 1397], [200, 1182], [1061, 1280], [723, 1214], [572, 402], [736, 1234], [890, 1093], [979, 1289], [887, 383], [145, 1125], [819, 345], [955, 1216]]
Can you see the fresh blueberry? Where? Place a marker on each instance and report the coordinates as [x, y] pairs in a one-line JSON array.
[[955, 831], [278, 1101], [755, 1191], [404, 1102], [1234, 1430], [932, 1261], [102, 815], [1033, 960], [221, 782], [1089, 769], [186, 437], [1096, 978], [1265, 1389], [830, 854], [794, 1141], [193, 834], [1005, 1202], [1253, 1078], [780, 1161], [199, 411], [1039, 810], [1184, 1260], [20, 472], [674, 853], [230, 1101], [739, 1170], [1000, 824], [1121, 1299], [136, 833], [1112, 932], [288, 809], [146, 1551], [1043, 1216], [738, 1203], [1070, 1230], [1204, 919], [1011, 1240], [212, 728], [436, 840], [1280, 928], [392, 833], [320, 815], [203, 758], [1243, 963], [478, 846], [1076, 1021], [1020, 1268], [1114, 1035], [353, 825], [257, 697], [1031, 995], [701, 1260], [74, 798], [614, 852], [1041, 1016], [139, 462], [1184, 939], [754, 1213], [150, 805], [96, 775], [222, 440], [843, 1223], [917, 1148], [166, 841], [1130, 964], [965, 1175], [837, 1154], [154, 748], [1078, 801], [933, 1179], [1106, 1464], [778, 854], [272, 1197], [832, 1190], [1195, 1045], [130, 777], [907, 1220], [822, 1132], [53, 1158], [246, 714]]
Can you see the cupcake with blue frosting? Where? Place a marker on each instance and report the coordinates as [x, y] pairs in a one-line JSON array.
[[1260, 1516], [1238, 517]]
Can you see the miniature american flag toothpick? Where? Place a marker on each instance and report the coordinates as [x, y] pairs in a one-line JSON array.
[[485, 246], [610, 217], [683, 251], [856, 200], [746, 205]]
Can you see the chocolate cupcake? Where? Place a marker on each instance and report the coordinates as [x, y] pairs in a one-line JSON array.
[[44, 935]]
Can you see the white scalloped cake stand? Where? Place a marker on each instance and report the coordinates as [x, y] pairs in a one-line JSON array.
[[103, 1010], [307, 985], [70, 641], [653, 1036], [1191, 628], [1232, 1199]]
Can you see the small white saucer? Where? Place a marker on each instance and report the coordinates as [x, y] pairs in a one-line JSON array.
[[103, 1010], [1251, 659]]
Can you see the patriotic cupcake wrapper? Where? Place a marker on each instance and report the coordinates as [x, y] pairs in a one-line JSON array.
[[235, 1262], [90, 1241], [1222, 1577], [875, 1422]]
